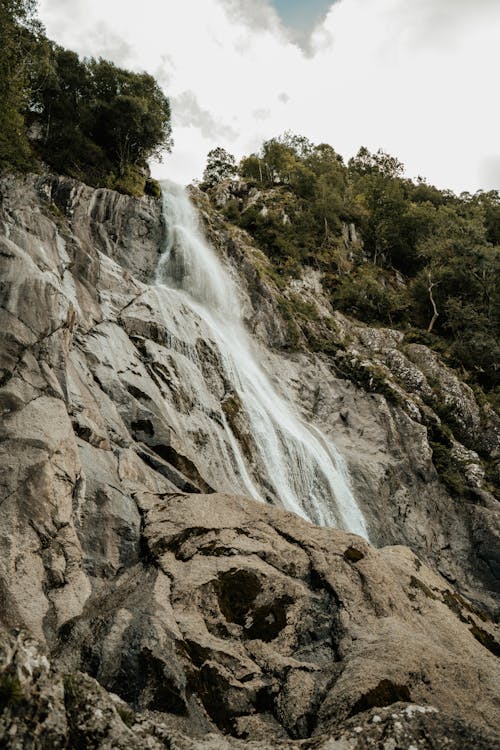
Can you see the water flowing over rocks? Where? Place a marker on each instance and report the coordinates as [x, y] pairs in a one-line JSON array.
[[144, 602]]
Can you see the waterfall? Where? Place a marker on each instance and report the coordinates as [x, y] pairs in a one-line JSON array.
[[304, 470]]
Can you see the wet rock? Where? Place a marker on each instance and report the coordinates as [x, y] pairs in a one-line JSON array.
[[209, 614]]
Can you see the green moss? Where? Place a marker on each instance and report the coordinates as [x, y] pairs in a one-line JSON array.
[[232, 211], [321, 344], [131, 182], [304, 325], [126, 715], [11, 692], [491, 475], [152, 187], [56, 211], [447, 468], [421, 336], [301, 308], [292, 327], [268, 272], [325, 337], [372, 378]]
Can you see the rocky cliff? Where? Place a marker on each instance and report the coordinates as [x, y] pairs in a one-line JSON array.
[[143, 603]]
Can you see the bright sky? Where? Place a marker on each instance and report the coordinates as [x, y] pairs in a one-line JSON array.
[[418, 78]]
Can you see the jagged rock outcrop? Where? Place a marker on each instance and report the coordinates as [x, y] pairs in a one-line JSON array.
[[205, 612]]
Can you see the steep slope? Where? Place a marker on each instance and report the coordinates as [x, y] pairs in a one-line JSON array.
[[421, 450], [118, 551]]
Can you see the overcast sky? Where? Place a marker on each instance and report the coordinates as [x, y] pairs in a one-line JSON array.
[[418, 78]]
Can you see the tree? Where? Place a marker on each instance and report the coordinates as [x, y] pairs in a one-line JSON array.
[[131, 115], [18, 31], [418, 257], [85, 118], [100, 123], [366, 163], [221, 165], [251, 168]]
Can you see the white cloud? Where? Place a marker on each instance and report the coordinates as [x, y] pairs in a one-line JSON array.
[[415, 78], [187, 113]]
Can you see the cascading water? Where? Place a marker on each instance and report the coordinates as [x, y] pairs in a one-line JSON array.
[[305, 471]]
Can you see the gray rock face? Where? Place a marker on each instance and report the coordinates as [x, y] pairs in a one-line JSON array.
[[383, 404], [203, 611], [245, 620]]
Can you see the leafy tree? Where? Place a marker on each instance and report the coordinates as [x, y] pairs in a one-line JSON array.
[[490, 203], [382, 163], [251, 168], [371, 294], [18, 32], [221, 165], [98, 122], [85, 118], [130, 114]]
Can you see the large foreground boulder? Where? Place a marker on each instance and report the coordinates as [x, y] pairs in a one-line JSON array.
[[243, 620]]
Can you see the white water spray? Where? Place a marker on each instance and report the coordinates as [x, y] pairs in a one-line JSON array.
[[305, 471]]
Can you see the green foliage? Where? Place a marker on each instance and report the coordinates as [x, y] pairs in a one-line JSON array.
[[100, 123], [292, 327], [381, 163], [152, 187], [371, 377], [11, 692], [221, 165], [19, 32], [446, 467], [371, 294], [428, 262], [85, 118], [310, 182], [250, 168], [421, 336], [126, 715], [276, 235], [463, 268]]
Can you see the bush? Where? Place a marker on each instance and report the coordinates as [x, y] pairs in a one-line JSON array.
[[152, 188], [11, 692]]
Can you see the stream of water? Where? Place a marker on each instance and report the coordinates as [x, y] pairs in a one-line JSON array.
[[304, 469]]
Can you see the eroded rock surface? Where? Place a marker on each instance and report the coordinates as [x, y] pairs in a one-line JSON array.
[[207, 613], [247, 621]]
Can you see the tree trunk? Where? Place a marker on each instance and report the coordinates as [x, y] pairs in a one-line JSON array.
[[435, 315]]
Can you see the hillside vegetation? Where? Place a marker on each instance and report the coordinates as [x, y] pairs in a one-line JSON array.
[[392, 251], [84, 118]]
